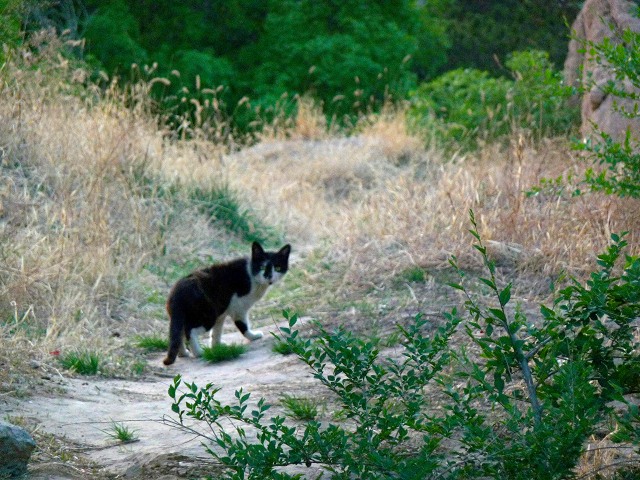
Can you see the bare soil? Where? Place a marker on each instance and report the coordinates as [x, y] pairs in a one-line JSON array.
[[77, 414]]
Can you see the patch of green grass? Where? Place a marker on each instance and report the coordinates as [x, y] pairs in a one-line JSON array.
[[414, 274], [283, 348], [139, 367], [172, 271], [300, 408], [121, 433], [152, 343], [222, 352], [391, 340], [156, 297], [14, 321], [221, 203], [83, 363]]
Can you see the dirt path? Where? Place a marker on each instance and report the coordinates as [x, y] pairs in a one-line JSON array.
[[86, 408]]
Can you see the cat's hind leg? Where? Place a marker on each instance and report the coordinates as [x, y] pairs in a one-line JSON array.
[[244, 326], [194, 342], [182, 350], [176, 335]]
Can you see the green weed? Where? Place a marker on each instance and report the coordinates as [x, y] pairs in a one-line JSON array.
[[84, 363], [300, 408], [156, 297], [173, 271], [283, 348], [222, 352], [222, 204], [121, 433], [152, 343], [414, 274], [138, 367]]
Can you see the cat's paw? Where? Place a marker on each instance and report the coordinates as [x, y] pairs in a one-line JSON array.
[[253, 336]]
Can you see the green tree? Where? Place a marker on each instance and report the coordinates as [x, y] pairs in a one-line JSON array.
[[113, 38], [348, 54], [482, 31], [11, 14]]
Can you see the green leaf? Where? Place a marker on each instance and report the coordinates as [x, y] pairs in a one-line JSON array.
[[489, 283], [505, 295], [499, 314]]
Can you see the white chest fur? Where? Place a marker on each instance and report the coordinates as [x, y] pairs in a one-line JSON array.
[[239, 306]]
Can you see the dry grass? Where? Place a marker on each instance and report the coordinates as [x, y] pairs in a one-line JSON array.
[[75, 225], [603, 459]]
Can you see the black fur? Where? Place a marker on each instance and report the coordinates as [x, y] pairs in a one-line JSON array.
[[201, 298]]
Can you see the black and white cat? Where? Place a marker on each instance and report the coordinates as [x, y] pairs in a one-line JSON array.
[[202, 300]]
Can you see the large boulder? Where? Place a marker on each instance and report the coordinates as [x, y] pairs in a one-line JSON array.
[[597, 20], [16, 446]]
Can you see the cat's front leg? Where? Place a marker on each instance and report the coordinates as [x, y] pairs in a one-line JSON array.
[[215, 335], [245, 328]]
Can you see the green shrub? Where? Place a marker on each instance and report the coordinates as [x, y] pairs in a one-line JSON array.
[[465, 106], [462, 105], [115, 22], [540, 97], [483, 33], [618, 162], [522, 407], [11, 13]]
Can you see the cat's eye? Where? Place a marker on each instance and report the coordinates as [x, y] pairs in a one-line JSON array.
[[277, 269]]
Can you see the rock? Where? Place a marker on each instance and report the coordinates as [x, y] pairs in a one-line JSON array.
[[597, 20], [16, 446]]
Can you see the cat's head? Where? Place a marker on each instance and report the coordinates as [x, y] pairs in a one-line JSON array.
[[269, 267]]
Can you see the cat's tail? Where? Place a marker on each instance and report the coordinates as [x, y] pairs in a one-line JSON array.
[[176, 328]]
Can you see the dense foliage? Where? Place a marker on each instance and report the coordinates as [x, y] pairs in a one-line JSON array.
[[11, 15], [484, 32], [350, 56], [467, 105]]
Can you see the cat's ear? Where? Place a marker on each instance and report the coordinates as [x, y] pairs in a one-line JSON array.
[[257, 250], [285, 251]]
